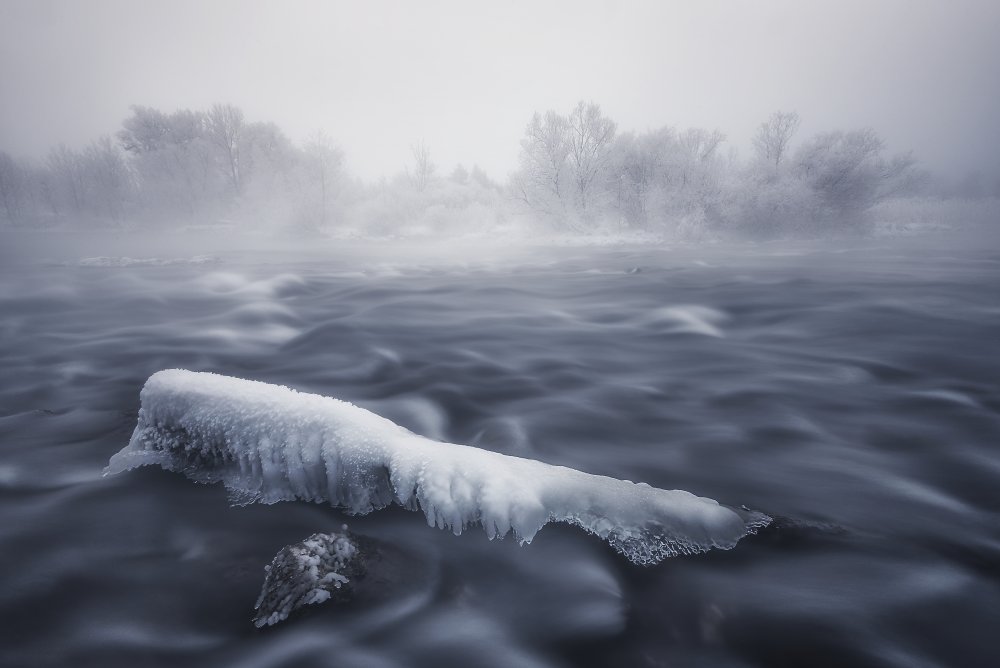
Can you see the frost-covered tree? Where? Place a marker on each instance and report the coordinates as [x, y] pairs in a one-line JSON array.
[[13, 187], [666, 178], [542, 180], [460, 175], [145, 131], [764, 198], [175, 166], [847, 170], [829, 186], [639, 171], [698, 164], [763, 203], [590, 136], [225, 124], [323, 163], [423, 169], [107, 179], [774, 136], [264, 149], [575, 171], [565, 162], [66, 167]]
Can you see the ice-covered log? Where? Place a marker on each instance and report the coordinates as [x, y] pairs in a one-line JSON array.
[[269, 443]]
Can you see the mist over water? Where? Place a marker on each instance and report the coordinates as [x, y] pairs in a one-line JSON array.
[[848, 391], [746, 250]]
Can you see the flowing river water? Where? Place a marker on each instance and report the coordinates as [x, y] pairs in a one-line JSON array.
[[851, 391]]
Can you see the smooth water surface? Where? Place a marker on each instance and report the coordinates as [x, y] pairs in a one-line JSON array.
[[853, 393]]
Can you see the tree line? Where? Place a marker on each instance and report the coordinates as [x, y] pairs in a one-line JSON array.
[[577, 173], [182, 167], [576, 170]]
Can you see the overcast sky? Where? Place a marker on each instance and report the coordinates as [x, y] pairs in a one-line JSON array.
[[465, 76]]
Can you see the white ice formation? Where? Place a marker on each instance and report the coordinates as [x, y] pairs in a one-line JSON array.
[[269, 443], [303, 574]]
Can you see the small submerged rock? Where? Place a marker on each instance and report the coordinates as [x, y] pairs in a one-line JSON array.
[[308, 572]]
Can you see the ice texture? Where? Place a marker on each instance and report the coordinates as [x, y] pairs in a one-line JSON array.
[[305, 573], [268, 443]]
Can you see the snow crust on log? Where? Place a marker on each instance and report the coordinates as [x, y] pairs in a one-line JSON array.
[[268, 443]]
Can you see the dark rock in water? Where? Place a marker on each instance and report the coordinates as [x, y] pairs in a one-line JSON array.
[[323, 566]]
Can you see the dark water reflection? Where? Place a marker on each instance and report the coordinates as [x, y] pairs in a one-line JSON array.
[[852, 394]]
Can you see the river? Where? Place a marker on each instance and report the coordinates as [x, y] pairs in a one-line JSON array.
[[851, 390]]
